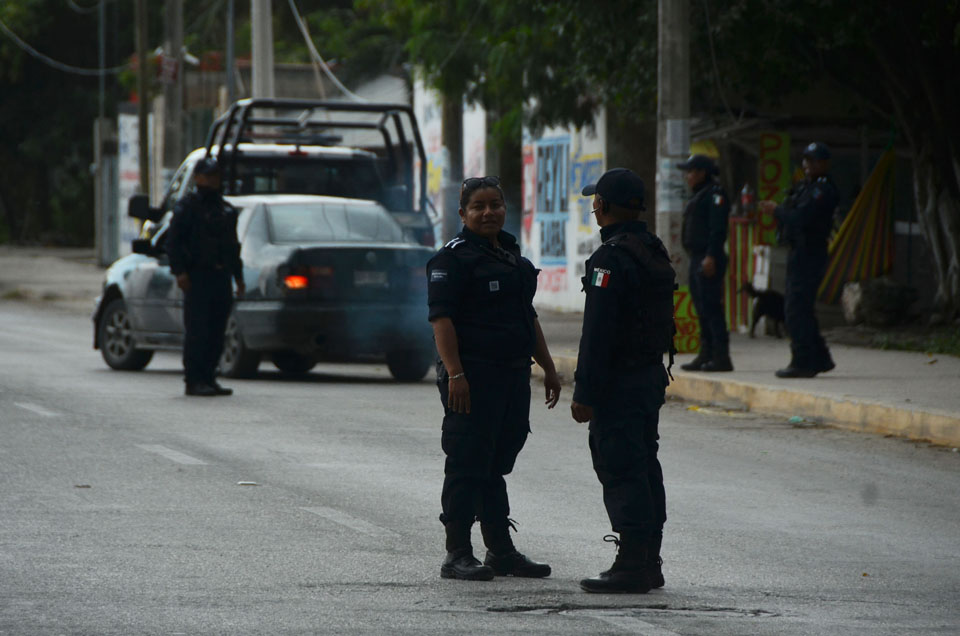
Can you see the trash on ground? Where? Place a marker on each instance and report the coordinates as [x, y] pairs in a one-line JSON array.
[[247, 483]]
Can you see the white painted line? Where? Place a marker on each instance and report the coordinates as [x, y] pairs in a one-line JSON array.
[[630, 624], [171, 454], [33, 408], [342, 518]]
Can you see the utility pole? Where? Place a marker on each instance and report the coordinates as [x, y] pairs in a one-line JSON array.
[[673, 123], [261, 23], [172, 76], [452, 140], [142, 97], [231, 65]]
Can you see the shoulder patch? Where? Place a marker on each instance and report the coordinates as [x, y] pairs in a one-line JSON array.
[[439, 276], [718, 199], [600, 277], [453, 243]]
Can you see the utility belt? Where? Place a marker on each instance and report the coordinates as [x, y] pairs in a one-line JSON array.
[[637, 361]]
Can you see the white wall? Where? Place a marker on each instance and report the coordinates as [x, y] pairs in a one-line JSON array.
[[558, 231]]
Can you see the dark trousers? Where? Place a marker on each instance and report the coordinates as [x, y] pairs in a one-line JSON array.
[[206, 308], [707, 295], [804, 273], [482, 446], [623, 445]]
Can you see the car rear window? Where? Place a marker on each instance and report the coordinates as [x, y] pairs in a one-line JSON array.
[[336, 222]]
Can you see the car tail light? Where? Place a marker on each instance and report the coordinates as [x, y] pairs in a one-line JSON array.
[[296, 281]]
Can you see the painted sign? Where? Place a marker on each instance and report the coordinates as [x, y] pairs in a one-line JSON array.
[[552, 199], [773, 180], [687, 339]]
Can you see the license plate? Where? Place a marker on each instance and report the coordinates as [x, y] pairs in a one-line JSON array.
[[370, 279]]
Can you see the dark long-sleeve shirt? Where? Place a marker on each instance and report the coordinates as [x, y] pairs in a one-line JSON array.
[[203, 235]]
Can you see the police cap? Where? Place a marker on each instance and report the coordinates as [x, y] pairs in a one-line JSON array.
[[699, 162], [207, 165], [816, 150], [619, 186]]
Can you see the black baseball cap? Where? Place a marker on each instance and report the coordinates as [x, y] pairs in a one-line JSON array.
[[699, 162], [207, 165], [816, 150], [619, 186]]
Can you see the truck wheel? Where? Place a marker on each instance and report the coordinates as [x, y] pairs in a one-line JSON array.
[[409, 366], [293, 363], [237, 361], [116, 339]]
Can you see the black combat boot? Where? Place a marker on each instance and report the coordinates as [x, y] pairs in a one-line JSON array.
[[629, 573], [696, 363], [654, 562], [503, 557], [718, 363], [460, 562]]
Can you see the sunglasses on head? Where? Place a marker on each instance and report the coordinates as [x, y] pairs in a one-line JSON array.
[[476, 182]]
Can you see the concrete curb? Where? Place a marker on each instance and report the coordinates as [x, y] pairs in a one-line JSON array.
[[939, 427]]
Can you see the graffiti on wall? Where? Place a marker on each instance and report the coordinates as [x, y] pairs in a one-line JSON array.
[[773, 179], [552, 203]]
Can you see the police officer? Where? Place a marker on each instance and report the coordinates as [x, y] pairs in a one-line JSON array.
[[204, 255], [804, 221], [480, 295], [621, 380], [703, 235]]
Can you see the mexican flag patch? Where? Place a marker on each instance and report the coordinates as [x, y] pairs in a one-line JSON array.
[[601, 277]]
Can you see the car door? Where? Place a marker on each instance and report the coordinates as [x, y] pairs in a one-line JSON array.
[[153, 295]]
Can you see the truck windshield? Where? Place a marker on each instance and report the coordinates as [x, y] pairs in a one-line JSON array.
[[356, 178]]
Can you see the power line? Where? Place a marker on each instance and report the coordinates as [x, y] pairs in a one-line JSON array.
[[76, 7], [60, 66], [316, 55]]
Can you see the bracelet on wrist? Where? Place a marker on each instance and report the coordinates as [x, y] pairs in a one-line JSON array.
[[458, 376]]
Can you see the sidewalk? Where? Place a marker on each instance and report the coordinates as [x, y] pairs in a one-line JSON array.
[[901, 393]]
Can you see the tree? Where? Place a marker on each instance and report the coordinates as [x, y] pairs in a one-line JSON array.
[[901, 61]]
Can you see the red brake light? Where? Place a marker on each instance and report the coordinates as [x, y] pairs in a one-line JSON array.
[[296, 281]]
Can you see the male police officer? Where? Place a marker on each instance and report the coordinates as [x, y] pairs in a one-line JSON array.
[[204, 255], [804, 221], [704, 235], [620, 378]]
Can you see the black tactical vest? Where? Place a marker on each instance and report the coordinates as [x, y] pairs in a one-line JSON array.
[[652, 331]]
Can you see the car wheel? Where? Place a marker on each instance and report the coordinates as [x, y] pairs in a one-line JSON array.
[[237, 361], [116, 339], [293, 363], [409, 366]]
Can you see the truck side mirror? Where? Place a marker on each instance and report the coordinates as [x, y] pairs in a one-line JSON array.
[[139, 208]]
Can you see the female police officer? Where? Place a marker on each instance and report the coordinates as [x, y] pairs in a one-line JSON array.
[[480, 303]]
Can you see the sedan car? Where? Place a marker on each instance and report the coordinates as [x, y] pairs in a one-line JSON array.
[[327, 279]]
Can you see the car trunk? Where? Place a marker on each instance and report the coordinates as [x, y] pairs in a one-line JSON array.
[[361, 274]]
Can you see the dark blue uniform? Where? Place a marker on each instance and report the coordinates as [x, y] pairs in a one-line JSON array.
[[627, 327], [202, 242], [704, 234], [804, 221], [488, 294]]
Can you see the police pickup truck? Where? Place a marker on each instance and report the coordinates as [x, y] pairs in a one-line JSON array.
[[335, 234]]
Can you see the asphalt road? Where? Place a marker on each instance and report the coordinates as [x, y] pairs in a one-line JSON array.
[[122, 512]]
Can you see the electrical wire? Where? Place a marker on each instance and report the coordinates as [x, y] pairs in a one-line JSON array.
[[318, 58], [716, 68], [49, 61], [83, 10]]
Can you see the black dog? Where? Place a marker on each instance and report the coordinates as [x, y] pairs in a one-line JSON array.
[[765, 303]]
